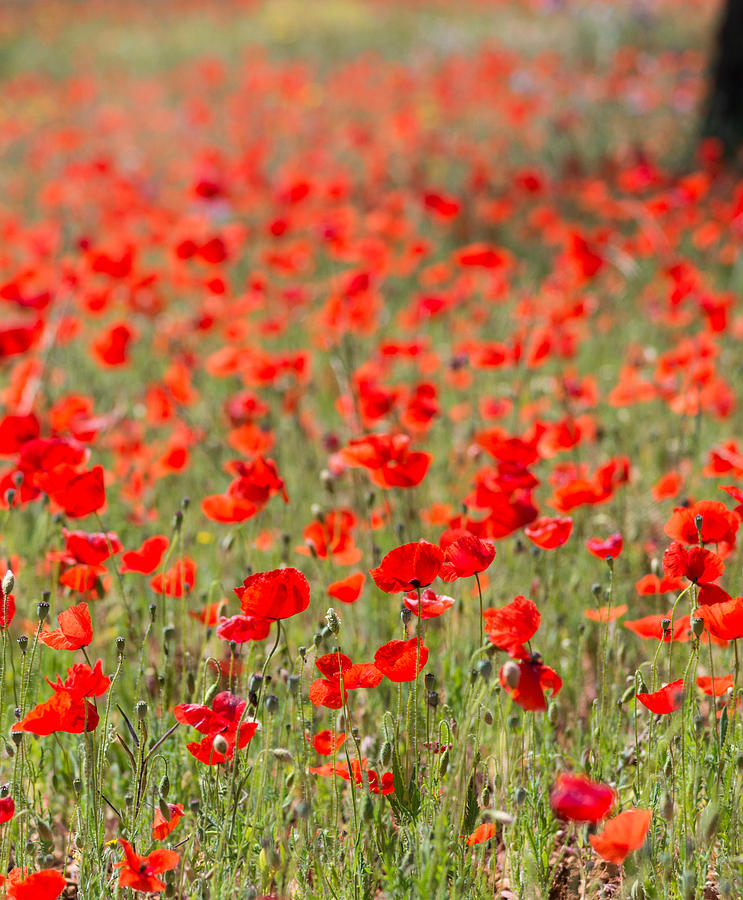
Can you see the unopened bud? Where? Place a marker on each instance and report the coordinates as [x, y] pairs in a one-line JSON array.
[[219, 745], [141, 709], [164, 809], [333, 620], [8, 582], [511, 674], [283, 755]]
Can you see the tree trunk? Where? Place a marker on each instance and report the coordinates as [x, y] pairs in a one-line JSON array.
[[724, 110]]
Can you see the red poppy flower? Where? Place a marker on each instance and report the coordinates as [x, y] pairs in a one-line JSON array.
[[278, 594], [209, 614], [138, 872], [605, 613], [697, 564], [611, 546], [714, 687], [222, 719], [147, 558], [652, 584], [328, 742], [7, 609], [68, 709], [326, 691], [178, 580], [7, 809], [513, 625], [534, 679], [710, 594], [723, 620], [228, 510], [162, 827], [47, 884], [388, 460], [666, 700], [466, 556], [83, 494], [432, 604], [91, 549], [482, 833], [578, 799], [243, 628], [622, 834], [75, 629], [651, 628], [549, 533], [348, 589], [719, 525], [397, 659], [408, 567], [331, 537]]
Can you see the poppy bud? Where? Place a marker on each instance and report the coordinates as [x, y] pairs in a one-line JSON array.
[[219, 745], [485, 669], [333, 620], [141, 710], [282, 755], [23, 643], [164, 809], [443, 762], [254, 684], [697, 626], [272, 704], [487, 716], [120, 644], [553, 713], [385, 756], [519, 797], [429, 680], [367, 808], [302, 809], [42, 610], [511, 674], [8, 582]]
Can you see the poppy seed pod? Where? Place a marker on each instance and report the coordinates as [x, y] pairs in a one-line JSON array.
[[120, 645], [272, 704], [42, 610], [141, 710], [697, 626], [23, 643]]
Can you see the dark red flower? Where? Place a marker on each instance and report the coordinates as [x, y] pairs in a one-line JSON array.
[[241, 628], [408, 567]]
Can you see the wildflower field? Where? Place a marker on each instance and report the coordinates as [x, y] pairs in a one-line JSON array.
[[371, 467]]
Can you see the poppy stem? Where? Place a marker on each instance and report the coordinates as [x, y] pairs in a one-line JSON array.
[[479, 593]]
